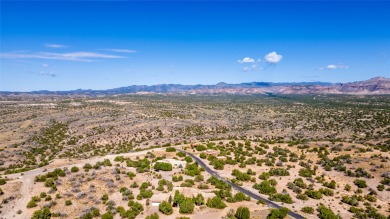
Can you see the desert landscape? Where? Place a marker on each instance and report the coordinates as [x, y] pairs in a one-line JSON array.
[[212, 109], [86, 157]]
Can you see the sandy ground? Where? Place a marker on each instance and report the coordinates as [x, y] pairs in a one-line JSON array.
[[23, 186], [28, 189], [332, 201]]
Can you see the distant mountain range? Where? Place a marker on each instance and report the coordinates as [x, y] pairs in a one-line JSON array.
[[377, 85]]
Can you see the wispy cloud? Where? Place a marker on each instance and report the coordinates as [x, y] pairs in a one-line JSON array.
[[72, 56], [42, 73], [333, 67], [246, 60], [48, 74], [55, 46], [121, 50], [252, 68], [45, 65], [273, 58]]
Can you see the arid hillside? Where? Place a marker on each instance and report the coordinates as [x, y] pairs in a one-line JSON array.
[[76, 155]]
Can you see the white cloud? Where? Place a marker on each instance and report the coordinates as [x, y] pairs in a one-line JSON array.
[[72, 56], [246, 60], [55, 46], [121, 50], [45, 65], [333, 67], [273, 57]]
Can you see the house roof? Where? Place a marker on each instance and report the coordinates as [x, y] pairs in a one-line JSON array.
[[159, 197]]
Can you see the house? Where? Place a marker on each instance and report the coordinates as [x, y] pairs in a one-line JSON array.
[[192, 192], [157, 199], [211, 152], [221, 157]]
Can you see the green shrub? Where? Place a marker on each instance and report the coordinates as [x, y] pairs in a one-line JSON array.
[[353, 200], [170, 149], [181, 154], [201, 148], [370, 198], [131, 175], [300, 183], [42, 195], [42, 214], [187, 206], [239, 196], [326, 213], [242, 213], [199, 178], [177, 178], [153, 216], [192, 169], [240, 175], [87, 167], [305, 172], [104, 197], [285, 198], [3, 181], [146, 193], [49, 182], [178, 198], [199, 200], [313, 194], [264, 176], [308, 210], [331, 184], [135, 209], [31, 204], [218, 164], [360, 183], [219, 184], [163, 166], [74, 169], [107, 215], [278, 172], [302, 197], [216, 202], [278, 213], [265, 187], [261, 201], [326, 191], [166, 208], [188, 159]]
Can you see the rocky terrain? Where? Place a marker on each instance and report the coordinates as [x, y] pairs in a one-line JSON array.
[[82, 156]]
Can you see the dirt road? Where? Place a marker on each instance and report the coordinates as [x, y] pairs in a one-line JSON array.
[[27, 179]]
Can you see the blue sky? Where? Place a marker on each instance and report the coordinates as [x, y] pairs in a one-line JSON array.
[[55, 45]]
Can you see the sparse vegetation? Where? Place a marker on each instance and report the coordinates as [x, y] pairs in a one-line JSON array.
[[284, 163]]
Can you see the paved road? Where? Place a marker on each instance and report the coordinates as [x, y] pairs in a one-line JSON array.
[[239, 188]]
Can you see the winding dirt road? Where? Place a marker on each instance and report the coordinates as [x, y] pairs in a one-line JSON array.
[[27, 179]]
